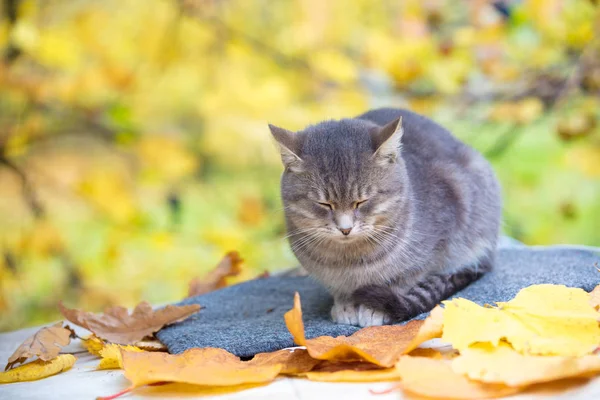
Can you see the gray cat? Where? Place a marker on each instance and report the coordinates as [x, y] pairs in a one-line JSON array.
[[389, 211]]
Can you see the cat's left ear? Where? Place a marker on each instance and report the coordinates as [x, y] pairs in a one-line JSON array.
[[289, 147], [387, 142]]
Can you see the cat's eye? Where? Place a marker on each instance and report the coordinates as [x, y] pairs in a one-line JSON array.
[[326, 205], [359, 203]]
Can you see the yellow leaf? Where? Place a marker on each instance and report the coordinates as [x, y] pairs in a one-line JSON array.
[[541, 319], [93, 344], [111, 356], [435, 378], [38, 369], [380, 345], [502, 364]]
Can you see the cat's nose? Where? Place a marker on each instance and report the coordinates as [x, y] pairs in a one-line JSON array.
[[345, 231]]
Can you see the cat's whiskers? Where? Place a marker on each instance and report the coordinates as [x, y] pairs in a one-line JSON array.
[[310, 238]]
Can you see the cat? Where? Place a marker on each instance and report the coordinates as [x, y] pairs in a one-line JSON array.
[[389, 211]]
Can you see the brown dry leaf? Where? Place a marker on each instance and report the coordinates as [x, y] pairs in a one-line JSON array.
[[435, 378], [357, 371], [296, 361], [38, 369], [150, 344], [380, 345], [45, 344], [430, 353], [230, 265], [208, 367], [431, 329], [595, 298], [502, 364], [117, 326]]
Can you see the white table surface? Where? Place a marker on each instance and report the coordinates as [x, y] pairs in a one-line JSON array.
[[84, 382]]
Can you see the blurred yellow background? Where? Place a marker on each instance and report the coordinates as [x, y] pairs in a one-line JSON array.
[[134, 149]]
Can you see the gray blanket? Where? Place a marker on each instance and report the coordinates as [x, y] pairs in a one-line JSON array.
[[247, 319]]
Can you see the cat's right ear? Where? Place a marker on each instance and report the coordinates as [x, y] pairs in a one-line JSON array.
[[289, 147], [387, 142]]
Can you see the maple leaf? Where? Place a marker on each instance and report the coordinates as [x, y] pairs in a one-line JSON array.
[[230, 265], [541, 319], [45, 344], [117, 326], [38, 369], [208, 367], [435, 378], [294, 362], [380, 345], [502, 364]]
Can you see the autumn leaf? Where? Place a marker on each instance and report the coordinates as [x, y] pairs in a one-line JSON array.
[[432, 328], [435, 378], [294, 362], [111, 356], [595, 298], [502, 364], [38, 369], [45, 344], [230, 265], [208, 367], [357, 371], [150, 344], [541, 319], [117, 326], [380, 345], [93, 344]]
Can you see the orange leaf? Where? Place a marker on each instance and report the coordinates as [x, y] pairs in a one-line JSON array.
[[45, 344], [380, 345], [118, 326], [294, 362], [208, 367], [230, 265], [435, 378]]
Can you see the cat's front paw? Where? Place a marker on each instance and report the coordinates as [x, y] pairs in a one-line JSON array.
[[360, 315]]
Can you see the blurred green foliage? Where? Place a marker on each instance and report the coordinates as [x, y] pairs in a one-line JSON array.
[[133, 143]]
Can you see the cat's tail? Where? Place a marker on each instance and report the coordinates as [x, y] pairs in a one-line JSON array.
[[421, 298]]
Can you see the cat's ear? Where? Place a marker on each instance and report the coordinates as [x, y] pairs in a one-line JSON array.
[[289, 147], [387, 142]]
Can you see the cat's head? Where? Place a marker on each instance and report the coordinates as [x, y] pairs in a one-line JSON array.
[[343, 180]]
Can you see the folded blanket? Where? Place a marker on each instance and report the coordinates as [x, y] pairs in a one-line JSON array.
[[247, 319]]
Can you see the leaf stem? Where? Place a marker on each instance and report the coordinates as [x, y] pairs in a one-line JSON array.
[[114, 396]]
